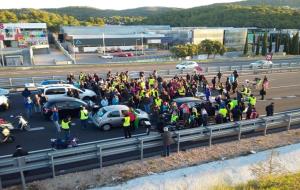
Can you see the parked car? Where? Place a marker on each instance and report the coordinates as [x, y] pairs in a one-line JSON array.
[[4, 103], [67, 106], [112, 116], [191, 101], [187, 65], [122, 55], [44, 83], [129, 54], [261, 64], [61, 91], [106, 56], [4, 92]]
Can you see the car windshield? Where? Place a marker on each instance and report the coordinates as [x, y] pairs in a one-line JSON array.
[[101, 112]]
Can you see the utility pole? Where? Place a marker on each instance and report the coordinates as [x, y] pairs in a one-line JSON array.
[[1, 51], [103, 39], [142, 44]]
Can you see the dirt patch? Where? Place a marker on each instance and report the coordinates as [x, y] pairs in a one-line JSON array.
[[119, 173]]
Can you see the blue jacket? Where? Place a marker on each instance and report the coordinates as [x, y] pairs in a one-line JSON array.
[[55, 116]]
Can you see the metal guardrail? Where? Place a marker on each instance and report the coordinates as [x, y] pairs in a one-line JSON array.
[[244, 69], [99, 150]]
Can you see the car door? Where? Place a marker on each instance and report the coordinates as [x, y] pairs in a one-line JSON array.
[[114, 118], [74, 108]]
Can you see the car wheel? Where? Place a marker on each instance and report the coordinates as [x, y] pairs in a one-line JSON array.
[[142, 122], [106, 127]]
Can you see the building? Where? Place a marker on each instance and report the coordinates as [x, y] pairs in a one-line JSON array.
[[113, 37], [207, 33], [235, 38], [24, 35]]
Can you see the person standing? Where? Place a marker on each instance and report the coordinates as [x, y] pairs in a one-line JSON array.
[[270, 109], [55, 119], [28, 107], [167, 141], [219, 75], [84, 115], [65, 126], [262, 92], [126, 126], [26, 93]]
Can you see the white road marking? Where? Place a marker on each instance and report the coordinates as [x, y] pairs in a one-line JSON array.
[[36, 129], [291, 96], [276, 98], [288, 86]]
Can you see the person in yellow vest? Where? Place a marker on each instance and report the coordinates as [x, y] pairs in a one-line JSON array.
[[143, 84], [151, 82], [174, 117], [181, 91], [65, 126], [84, 115], [223, 112], [158, 102], [126, 125], [81, 76], [252, 100]]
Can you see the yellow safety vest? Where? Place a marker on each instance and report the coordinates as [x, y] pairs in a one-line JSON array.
[[231, 105], [81, 76], [84, 115], [252, 101], [158, 102], [223, 112], [151, 82], [126, 121], [6, 132], [174, 118], [181, 91], [143, 85], [65, 125]]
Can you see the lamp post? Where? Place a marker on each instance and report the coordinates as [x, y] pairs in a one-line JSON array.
[[136, 45], [1, 51], [74, 53], [142, 44]]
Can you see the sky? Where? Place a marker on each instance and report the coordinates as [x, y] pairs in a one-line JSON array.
[[106, 4]]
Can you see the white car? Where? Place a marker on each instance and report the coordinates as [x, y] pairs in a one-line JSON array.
[[112, 116], [261, 64], [44, 83], [4, 92], [62, 90], [187, 65], [106, 56]]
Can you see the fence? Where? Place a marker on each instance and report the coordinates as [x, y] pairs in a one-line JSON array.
[[113, 149], [243, 69]]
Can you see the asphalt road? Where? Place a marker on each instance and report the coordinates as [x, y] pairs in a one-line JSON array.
[[37, 71], [284, 91]]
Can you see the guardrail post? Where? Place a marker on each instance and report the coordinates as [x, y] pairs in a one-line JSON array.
[[21, 161], [142, 149], [210, 137], [240, 132], [100, 157], [178, 142], [266, 128], [52, 165], [289, 124], [0, 183]]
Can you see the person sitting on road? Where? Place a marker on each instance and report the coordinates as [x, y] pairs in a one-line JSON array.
[[19, 152]]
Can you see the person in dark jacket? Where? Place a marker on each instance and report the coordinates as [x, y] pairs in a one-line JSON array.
[[270, 109], [20, 152], [167, 141], [26, 93]]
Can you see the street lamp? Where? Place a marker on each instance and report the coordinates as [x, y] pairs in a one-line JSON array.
[[136, 45], [1, 51]]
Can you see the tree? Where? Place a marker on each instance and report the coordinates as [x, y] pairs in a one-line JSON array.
[[264, 44], [270, 44], [246, 46], [277, 42], [180, 51], [286, 44], [296, 44], [253, 43], [290, 50], [192, 49], [257, 45], [212, 48]]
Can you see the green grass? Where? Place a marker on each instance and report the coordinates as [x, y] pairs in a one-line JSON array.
[[285, 182]]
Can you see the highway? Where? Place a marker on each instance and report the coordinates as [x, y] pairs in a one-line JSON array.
[[284, 91], [101, 68]]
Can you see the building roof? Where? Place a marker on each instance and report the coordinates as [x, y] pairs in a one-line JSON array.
[[117, 36], [25, 25], [112, 29]]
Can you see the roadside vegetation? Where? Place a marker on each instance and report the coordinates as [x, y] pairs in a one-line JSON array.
[[290, 182]]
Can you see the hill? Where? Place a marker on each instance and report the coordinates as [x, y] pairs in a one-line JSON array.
[[288, 3], [83, 13], [226, 15]]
